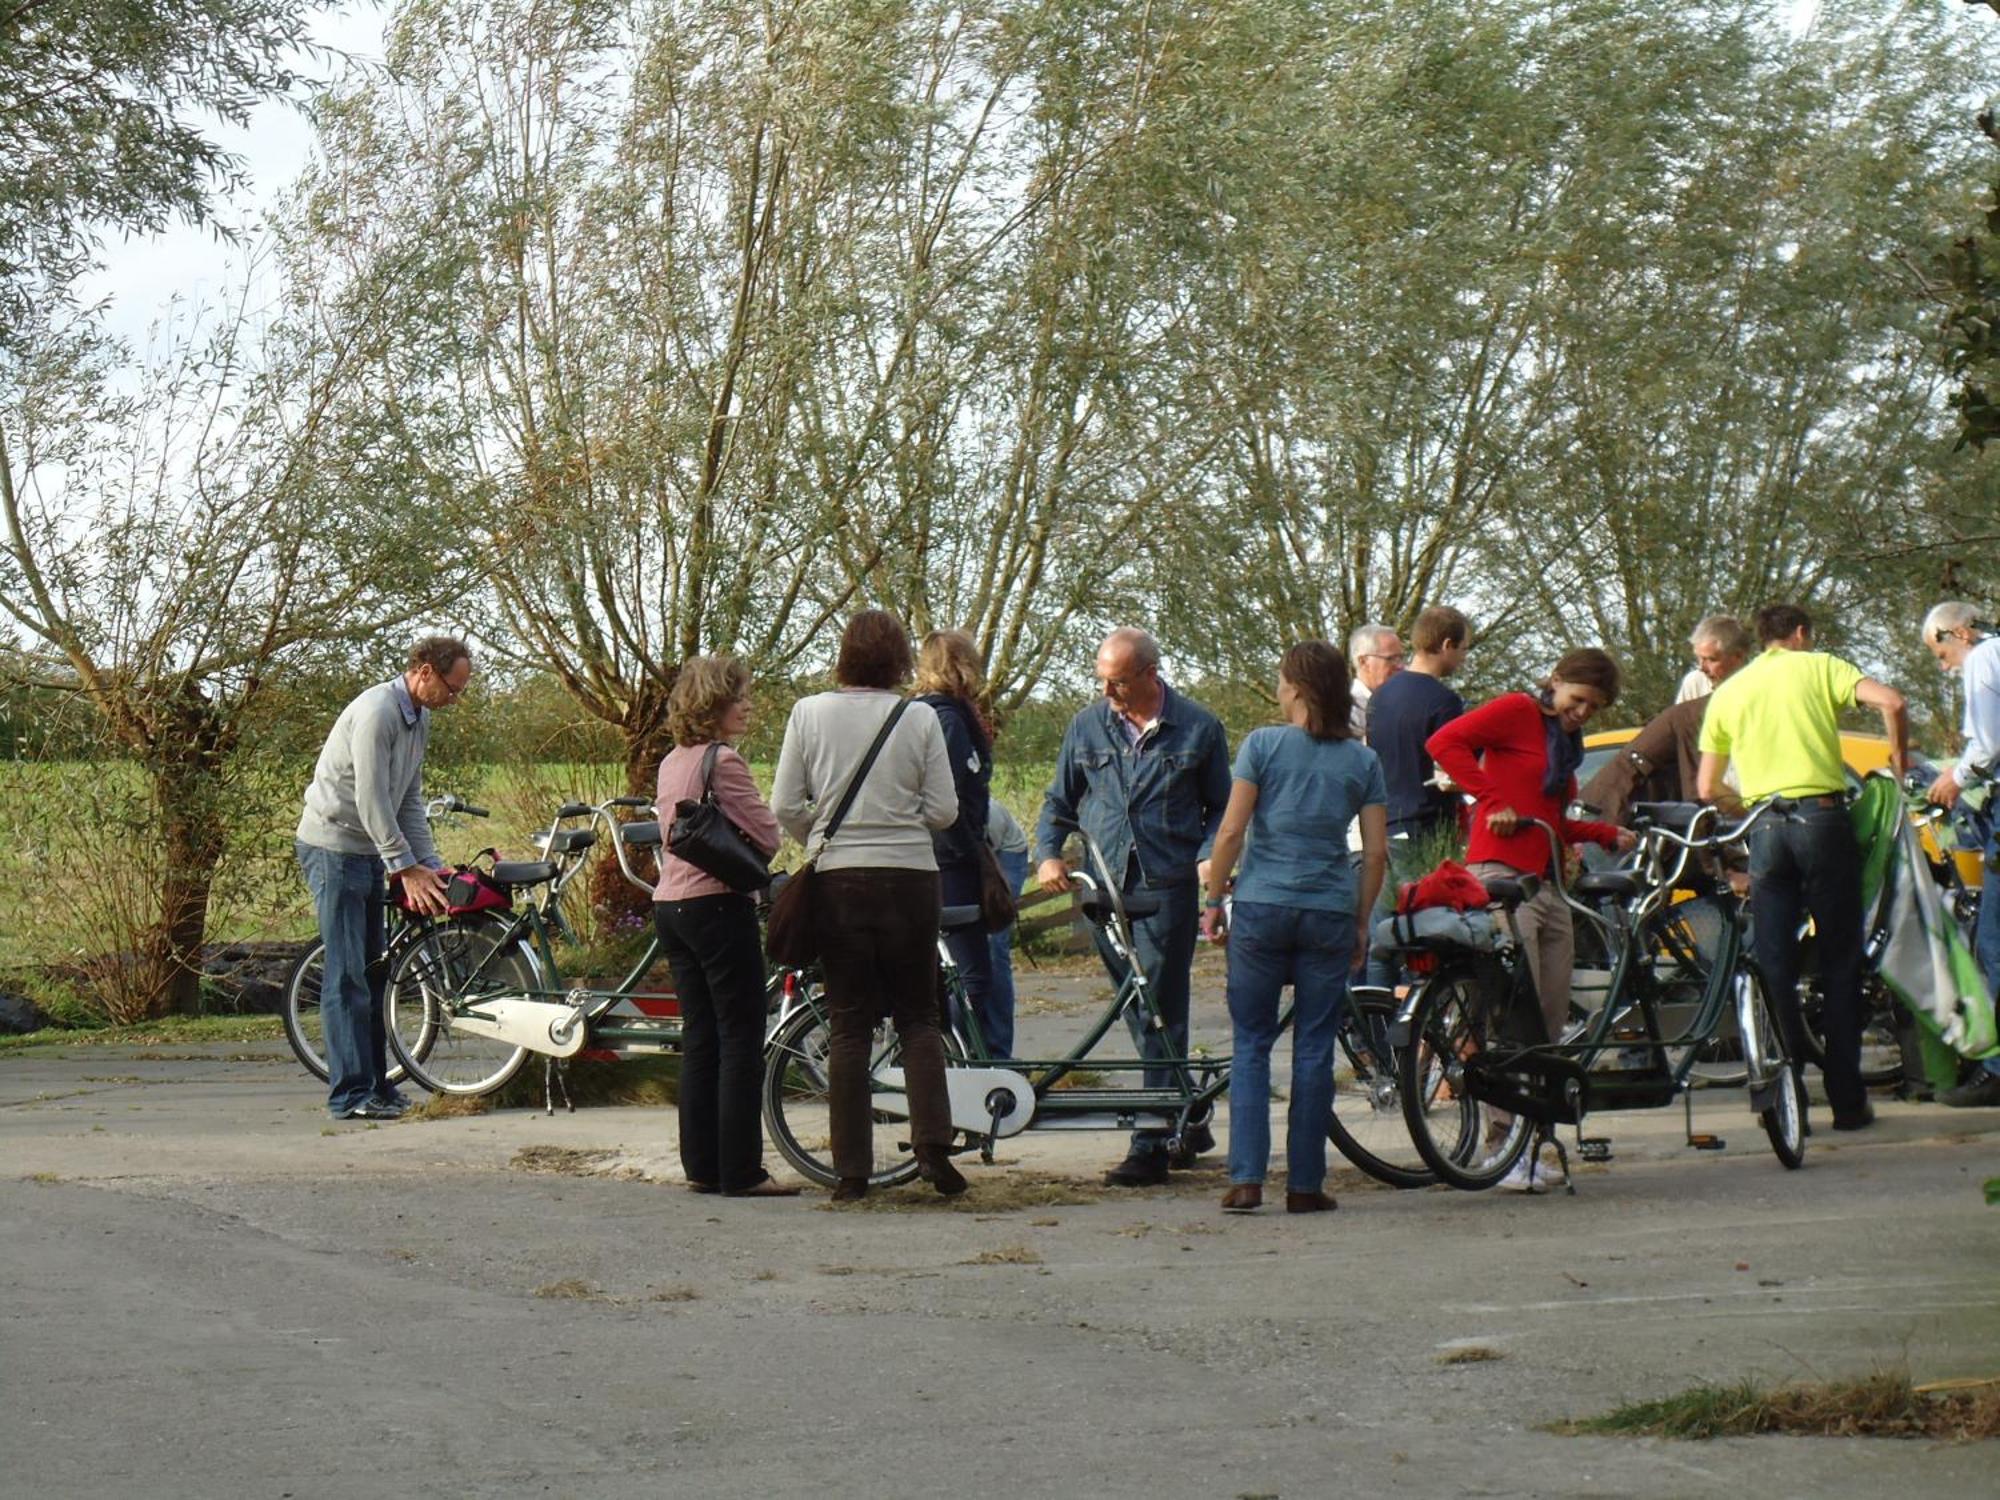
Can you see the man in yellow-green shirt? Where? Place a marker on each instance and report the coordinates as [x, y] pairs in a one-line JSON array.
[[1778, 721]]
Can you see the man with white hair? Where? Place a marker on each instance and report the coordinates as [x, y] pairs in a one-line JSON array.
[[1374, 655], [1965, 644], [1720, 645]]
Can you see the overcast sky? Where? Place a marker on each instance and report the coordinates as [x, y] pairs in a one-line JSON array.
[[143, 274]]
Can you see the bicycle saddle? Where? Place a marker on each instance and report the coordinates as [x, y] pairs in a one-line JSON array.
[[566, 840], [1622, 884], [961, 918], [523, 871], [644, 835], [1511, 893]]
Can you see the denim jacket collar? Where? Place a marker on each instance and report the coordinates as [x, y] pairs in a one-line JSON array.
[[1160, 723]]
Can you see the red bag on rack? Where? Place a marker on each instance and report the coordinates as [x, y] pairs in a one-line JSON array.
[[1450, 884]]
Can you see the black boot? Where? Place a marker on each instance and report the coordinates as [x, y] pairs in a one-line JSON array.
[[935, 1167]]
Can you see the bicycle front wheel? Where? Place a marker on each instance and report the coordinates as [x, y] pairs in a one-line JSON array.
[[1771, 1071], [437, 975], [1367, 1125], [1466, 1143], [797, 1099]]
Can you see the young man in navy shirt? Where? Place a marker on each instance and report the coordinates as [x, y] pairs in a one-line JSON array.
[[1404, 712]]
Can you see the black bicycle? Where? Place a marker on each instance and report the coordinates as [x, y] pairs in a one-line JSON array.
[[1481, 1082]]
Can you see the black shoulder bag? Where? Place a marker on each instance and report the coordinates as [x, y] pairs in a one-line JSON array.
[[702, 835]]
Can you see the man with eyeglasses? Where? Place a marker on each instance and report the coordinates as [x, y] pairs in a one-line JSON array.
[[1145, 773], [1963, 643], [364, 824], [1374, 655], [1721, 645]]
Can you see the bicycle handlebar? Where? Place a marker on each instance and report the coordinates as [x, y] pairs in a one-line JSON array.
[[1707, 840], [450, 802]]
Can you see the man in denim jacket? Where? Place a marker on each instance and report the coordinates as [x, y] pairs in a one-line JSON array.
[[1145, 773]]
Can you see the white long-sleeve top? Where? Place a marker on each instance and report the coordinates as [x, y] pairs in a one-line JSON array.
[[1982, 702], [908, 791]]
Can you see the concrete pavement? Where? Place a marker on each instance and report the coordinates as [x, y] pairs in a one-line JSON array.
[[217, 1293]]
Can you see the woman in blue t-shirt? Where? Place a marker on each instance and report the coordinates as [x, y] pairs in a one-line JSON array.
[[1298, 917]]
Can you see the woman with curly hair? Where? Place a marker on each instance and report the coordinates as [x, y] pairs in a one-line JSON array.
[[709, 934]]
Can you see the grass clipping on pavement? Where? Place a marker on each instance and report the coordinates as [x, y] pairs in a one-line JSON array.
[[1881, 1405]]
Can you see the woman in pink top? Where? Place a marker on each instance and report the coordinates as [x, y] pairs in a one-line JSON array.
[[710, 936]]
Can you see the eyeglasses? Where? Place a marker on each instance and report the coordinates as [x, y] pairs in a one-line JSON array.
[[1119, 684], [1395, 656], [451, 693]]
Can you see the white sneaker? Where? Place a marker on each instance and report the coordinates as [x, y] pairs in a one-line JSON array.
[[1523, 1177]]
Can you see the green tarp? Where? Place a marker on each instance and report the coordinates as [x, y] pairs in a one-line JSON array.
[[1923, 958]]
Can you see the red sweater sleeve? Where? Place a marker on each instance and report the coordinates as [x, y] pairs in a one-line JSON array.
[[1456, 747], [1576, 832]]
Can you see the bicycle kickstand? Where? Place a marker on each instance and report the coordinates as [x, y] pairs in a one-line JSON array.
[[555, 1076], [992, 1136]]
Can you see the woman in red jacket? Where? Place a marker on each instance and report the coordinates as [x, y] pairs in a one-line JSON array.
[[1517, 757]]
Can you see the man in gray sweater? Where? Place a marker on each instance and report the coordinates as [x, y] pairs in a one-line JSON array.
[[364, 821]]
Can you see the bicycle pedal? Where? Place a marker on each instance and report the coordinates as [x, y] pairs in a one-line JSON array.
[[1707, 1142], [1594, 1148]]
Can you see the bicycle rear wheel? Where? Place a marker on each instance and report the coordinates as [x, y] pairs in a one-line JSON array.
[[1367, 1125], [300, 1014], [1466, 1143], [301, 1011], [797, 1108], [435, 975]]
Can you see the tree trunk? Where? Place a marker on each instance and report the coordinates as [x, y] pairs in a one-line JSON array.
[[646, 744], [188, 785]]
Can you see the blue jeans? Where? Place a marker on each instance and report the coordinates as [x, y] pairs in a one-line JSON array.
[[1164, 946], [1807, 861], [349, 898], [1986, 933], [999, 1030], [1269, 948], [972, 954]]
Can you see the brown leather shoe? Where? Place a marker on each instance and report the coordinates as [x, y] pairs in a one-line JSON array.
[[1310, 1203], [1243, 1198], [702, 1187], [848, 1189], [770, 1187]]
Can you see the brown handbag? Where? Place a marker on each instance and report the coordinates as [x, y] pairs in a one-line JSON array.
[[789, 936], [998, 901]]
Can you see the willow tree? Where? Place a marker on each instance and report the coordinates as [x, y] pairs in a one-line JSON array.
[[1749, 406], [679, 260], [178, 534]]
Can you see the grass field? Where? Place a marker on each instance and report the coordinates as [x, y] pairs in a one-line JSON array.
[[79, 847]]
